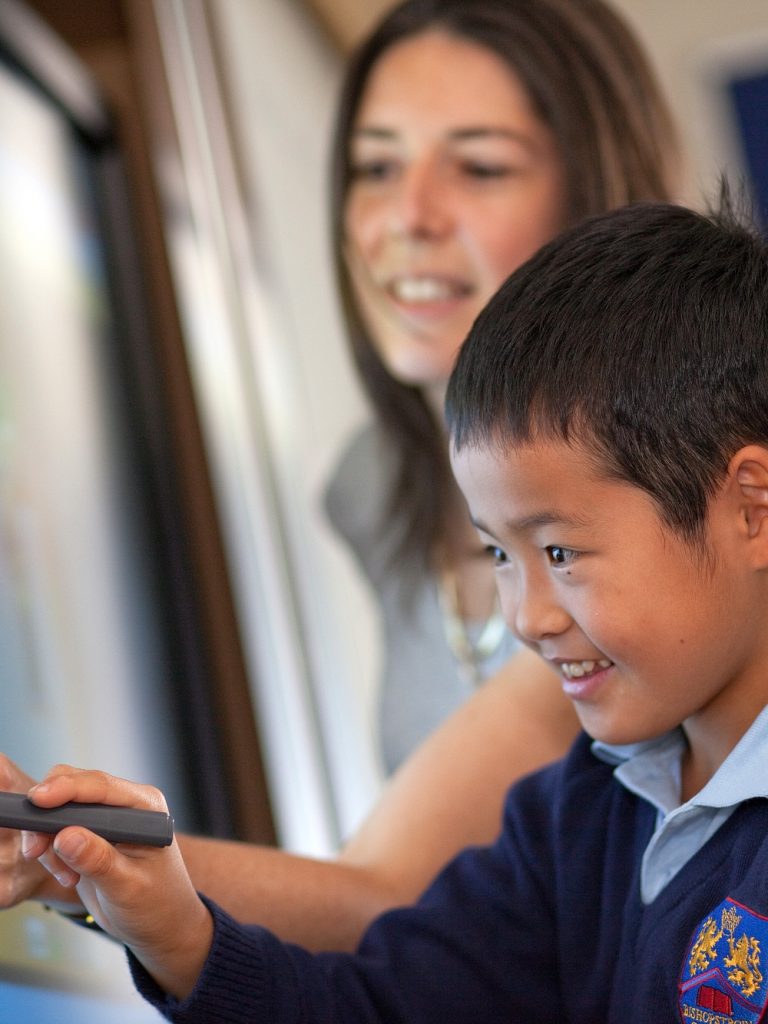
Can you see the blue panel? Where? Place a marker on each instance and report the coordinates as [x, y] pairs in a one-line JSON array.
[[41, 1006], [750, 100]]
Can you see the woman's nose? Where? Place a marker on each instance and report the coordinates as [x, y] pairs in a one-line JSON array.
[[420, 207]]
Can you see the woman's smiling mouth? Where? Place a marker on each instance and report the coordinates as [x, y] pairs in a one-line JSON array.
[[426, 289]]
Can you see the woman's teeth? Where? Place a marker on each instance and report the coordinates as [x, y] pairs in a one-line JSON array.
[[425, 289], [577, 669]]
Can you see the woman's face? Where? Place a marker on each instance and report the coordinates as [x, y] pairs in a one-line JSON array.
[[455, 183]]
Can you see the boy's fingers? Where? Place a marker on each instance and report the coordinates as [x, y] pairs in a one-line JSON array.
[[65, 783], [12, 778], [40, 846], [34, 844], [61, 871], [84, 853]]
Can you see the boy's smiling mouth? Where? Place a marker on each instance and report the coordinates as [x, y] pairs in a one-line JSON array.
[[582, 680], [579, 669]]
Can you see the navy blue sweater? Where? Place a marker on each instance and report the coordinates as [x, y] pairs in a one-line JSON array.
[[545, 926]]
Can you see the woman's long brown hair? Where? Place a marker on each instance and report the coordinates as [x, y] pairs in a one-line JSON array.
[[591, 83]]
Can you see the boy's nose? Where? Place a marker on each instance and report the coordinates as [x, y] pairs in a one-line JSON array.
[[537, 616]]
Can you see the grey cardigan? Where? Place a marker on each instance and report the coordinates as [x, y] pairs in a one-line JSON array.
[[421, 682]]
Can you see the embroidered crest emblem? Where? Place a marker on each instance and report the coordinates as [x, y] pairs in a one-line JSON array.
[[723, 979]]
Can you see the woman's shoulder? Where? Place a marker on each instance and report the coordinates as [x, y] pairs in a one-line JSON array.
[[362, 455], [358, 489]]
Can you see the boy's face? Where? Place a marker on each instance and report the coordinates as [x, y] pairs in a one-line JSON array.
[[645, 631]]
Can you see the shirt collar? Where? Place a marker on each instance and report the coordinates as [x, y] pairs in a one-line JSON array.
[[656, 763]]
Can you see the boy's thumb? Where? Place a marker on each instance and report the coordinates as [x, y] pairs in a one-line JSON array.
[[84, 852]]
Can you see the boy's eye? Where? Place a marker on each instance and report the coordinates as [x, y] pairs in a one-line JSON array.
[[496, 553], [559, 556]]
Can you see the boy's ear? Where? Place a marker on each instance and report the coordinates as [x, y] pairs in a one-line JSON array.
[[751, 473]]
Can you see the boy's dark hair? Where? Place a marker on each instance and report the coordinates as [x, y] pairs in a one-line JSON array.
[[641, 334]]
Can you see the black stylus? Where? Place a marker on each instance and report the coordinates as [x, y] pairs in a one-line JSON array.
[[117, 824]]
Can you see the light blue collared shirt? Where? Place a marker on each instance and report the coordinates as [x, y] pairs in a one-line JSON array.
[[652, 769]]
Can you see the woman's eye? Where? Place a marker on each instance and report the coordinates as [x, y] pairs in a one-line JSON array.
[[371, 170], [496, 554], [560, 556], [486, 170]]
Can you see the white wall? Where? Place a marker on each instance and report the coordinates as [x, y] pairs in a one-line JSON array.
[[693, 42], [281, 77], [246, 220]]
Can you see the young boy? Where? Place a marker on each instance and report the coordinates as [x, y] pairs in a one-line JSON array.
[[609, 419]]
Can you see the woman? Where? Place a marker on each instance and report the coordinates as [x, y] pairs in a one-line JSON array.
[[468, 135]]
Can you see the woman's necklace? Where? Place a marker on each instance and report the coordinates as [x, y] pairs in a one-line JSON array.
[[469, 646]]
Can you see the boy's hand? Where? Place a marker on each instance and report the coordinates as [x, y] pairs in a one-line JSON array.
[[21, 879], [140, 895]]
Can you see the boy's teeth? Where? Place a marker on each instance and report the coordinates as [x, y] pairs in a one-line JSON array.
[[577, 669]]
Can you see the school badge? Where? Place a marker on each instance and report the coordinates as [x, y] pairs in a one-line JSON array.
[[724, 974]]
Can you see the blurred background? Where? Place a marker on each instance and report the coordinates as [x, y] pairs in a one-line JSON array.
[[175, 388]]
